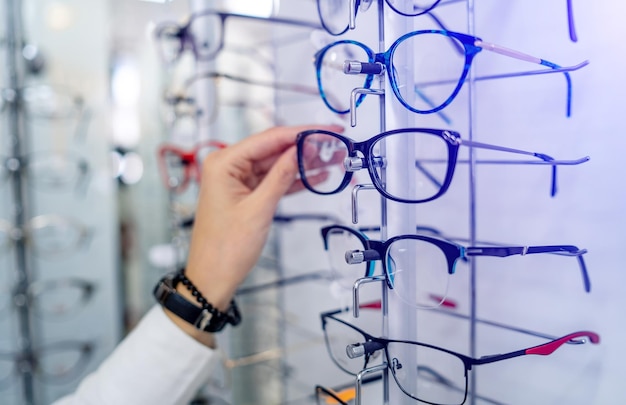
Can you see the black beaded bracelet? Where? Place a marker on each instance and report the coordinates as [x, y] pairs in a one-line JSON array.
[[218, 319], [206, 318]]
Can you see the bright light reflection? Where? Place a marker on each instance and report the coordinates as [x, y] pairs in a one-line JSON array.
[[260, 8]]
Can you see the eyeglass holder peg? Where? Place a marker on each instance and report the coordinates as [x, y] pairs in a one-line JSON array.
[[354, 67], [354, 95], [359, 380], [355, 291], [355, 200]]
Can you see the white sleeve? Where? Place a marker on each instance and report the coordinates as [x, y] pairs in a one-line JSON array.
[[157, 363]]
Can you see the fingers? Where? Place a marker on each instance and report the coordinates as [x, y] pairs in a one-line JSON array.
[[274, 141], [278, 180]]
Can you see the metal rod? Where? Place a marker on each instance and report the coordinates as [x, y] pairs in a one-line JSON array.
[[471, 88], [15, 127]]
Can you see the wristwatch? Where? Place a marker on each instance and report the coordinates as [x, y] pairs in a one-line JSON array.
[[207, 319]]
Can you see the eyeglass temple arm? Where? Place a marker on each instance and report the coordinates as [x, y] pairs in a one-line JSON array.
[[565, 250], [544, 159], [541, 350], [528, 58], [499, 325], [570, 22]]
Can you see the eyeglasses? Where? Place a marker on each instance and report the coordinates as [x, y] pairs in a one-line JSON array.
[[418, 267], [185, 105], [54, 299], [58, 363], [352, 350], [328, 160], [204, 34], [178, 166], [419, 65], [337, 16], [49, 235], [45, 101], [50, 170]]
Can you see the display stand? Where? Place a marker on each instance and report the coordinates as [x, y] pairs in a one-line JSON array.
[[17, 137]]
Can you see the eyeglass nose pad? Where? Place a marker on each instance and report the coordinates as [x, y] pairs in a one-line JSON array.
[[354, 95], [355, 199]]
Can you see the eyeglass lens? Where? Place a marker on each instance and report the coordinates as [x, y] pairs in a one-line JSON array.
[[418, 271], [337, 85], [335, 14], [425, 162], [405, 359], [427, 68]]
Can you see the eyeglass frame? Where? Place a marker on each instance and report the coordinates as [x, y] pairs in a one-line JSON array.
[[377, 250], [187, 41], [378, 63], [355, 5], [16, 233], [29, 360], [353, 162], [373, 344], [188, 160]]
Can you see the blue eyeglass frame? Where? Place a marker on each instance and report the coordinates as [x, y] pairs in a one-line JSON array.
[[357, 4], [385, 59], [452, 139], [377, 250]]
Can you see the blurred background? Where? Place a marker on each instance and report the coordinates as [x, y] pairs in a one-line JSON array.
[[106, 115]]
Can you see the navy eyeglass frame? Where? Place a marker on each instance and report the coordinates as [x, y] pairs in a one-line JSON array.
[[377, 250], [186, 38], [357, 4], [453, 141], [386, 59], [372, 344]]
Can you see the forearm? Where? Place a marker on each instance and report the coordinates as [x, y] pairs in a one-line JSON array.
[[156, 363]]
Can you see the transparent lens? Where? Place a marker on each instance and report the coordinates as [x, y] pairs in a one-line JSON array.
[[54, 235], [47, 102], [169, 42], [410, 165], [56, 171], [428, 374], [427, 69], [206, 34], [418, 271], [322, 160], [176, 169], [412, 7], [339, 242], [338, 336], [334, 15], [62, 363], [60, 299], [337, 85], [7, 364]]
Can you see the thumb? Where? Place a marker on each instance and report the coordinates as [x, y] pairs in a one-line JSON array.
[[278, 180]]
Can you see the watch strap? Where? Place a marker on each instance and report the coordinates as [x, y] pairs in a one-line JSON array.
[[207, 319]]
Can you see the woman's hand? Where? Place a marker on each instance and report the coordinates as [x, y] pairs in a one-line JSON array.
[[239, 193]]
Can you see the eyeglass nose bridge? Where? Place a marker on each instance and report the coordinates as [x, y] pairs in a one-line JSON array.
[[354, 95]]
